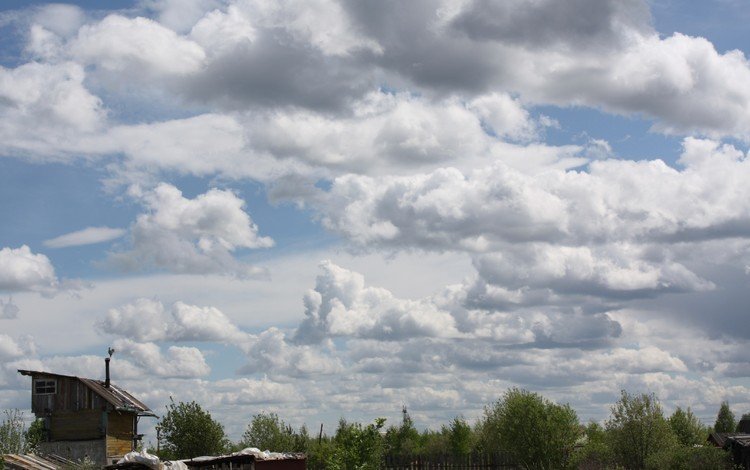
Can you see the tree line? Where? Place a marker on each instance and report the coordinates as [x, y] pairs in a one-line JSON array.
[[536, 432]]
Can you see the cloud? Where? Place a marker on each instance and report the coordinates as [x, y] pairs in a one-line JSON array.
[[271, 353], [50, 99], [341, 305], [245, 391], [22, 270], [195, 236], [10, 349], [615, 201], [8, 310], [614, 270], [138, 48], [87, 236], [578, 24], [147, 320], [179, 361]]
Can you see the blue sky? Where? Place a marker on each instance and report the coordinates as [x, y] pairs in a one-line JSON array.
[[334, 208]]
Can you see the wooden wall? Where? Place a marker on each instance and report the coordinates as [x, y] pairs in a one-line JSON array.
[[76, 425], [72, 395], [119, 434]]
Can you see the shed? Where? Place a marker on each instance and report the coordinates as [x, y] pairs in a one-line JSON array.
[[85, 418]]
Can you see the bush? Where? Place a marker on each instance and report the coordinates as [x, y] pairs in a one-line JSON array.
[[690, 458]]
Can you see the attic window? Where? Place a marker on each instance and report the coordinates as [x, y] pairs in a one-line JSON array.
[[45, 387]]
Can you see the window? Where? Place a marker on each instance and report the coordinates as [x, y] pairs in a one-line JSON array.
[[45, 387]]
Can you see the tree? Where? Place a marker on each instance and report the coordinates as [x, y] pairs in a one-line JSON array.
[[12, 431], [403, 440], [14, 438], [637, 429], [268, 432], [539, 434], [356, 447], [725, 419], [687, 428], [595, 452], [187, 431], [460, 436]]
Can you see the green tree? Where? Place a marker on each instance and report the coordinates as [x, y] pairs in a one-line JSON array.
[[12, 431], [187, 431], [14, 438], [460, 436], [687, 428], [403, 440], [594, 451], [637, 429], [267, 432], [745, 417], [357, 447], [725, 421], [539, 434]]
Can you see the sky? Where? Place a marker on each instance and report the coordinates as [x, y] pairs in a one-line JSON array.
[[333, 208]]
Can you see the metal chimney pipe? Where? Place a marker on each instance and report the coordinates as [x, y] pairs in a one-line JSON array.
[[106, 368]]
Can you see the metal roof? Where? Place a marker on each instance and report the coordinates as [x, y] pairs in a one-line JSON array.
[[120, 399], [37, 462]]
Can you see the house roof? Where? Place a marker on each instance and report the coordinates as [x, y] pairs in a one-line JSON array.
[[120, 399], [36, 462]]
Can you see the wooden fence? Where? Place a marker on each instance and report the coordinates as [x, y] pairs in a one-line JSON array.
[[498, 461]]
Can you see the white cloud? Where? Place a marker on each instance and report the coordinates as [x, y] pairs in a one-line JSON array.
[[271, 353], [22, 270], [10, 349], [137, 48], [44, 107], [179, 361], [341, 305], [244, 391], [615, 201], [194, 236], [147, 320], [63, 20], [87, 236], [8, 310]]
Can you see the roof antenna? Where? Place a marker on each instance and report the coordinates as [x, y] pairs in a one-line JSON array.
[[110, 351]]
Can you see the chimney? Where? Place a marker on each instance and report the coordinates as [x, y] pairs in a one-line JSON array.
[[106, 368]]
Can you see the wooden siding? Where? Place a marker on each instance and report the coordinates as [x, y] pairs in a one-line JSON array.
[[76, 425], [281, 464], [71, 395], [119, 434]]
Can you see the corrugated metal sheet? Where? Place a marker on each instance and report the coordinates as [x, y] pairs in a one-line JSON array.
[[114, 395], [36, 462]]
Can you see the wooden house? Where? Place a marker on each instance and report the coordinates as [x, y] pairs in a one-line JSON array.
[[85, 418]]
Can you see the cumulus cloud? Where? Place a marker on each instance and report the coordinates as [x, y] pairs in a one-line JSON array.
[[615, 270], [196, 236], [138, 47], [615, 201], [341, 305], [50, 99], [22, 270], [272, 353], [147, 320], [179, 361]]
